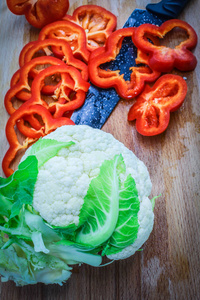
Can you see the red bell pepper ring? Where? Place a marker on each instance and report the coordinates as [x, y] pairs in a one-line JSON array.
[[162, 58], [24, 51], [49, 124], [153, 106], [33, 48], [39, 12], [107, 79], [61, 100], [22, 95], [20, 87], [46, 89], [97, 22], [70, 32], [32, 121]]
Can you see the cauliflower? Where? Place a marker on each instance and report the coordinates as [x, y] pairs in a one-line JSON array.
[[83, 195]]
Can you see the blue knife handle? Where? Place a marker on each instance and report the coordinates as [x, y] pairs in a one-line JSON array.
[[168, 9]]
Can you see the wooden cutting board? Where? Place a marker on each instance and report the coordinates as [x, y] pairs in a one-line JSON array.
[[169, 265]]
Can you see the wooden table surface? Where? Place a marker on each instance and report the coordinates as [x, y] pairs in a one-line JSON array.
[[169, 265]]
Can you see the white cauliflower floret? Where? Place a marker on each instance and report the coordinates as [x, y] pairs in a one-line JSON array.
[[65, 178]]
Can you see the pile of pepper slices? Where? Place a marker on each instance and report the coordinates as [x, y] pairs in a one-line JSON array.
[[53, 78]]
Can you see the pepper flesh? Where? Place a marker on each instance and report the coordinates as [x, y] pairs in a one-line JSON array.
[[162, 58], [153, 106], [97, 22], [107, 78], [70, 32], [39, 12]]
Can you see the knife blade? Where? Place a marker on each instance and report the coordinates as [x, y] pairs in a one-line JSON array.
[[99, 102]]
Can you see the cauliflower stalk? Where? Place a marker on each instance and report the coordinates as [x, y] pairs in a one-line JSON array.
[[78, 195]]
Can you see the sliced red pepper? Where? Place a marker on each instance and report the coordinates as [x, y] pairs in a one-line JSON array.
[[24, 95], [27, 54], [39, 12], [162, 58], [31, 135], [97, 22], [70, 32], [30, 51], [24, 51], [106, 78], [73, 82], [20, 87], [153, 106], [69, 96]]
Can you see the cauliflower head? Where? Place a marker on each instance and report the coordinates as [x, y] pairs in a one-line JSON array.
[[78, 195], [64, 179]]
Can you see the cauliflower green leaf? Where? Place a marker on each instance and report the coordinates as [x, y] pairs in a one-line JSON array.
[[17, 189], [33, 249], [73, 253], [23, 265], [45, 149], [126, 230], [109, 216], [100, 210]]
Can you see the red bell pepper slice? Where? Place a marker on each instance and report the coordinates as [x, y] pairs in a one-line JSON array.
[[73, 82], [49, 124], [24, 51], [70, 32], [163, 58], [97, 22], [33, 48], [39, 12], [20, 86], [24, 95], [68, 96], [153, 106], [107, 79]]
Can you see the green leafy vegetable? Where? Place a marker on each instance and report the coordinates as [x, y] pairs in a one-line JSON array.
[[22, 264], [17, 189], [45, 149], [100, 210], [127, 226], [153, 201], [73, 253], [33, 251]]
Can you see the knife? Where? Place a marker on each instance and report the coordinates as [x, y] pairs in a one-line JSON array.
[[100, 102]]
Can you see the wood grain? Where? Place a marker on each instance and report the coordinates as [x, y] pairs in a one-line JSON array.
[[169, 265]]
